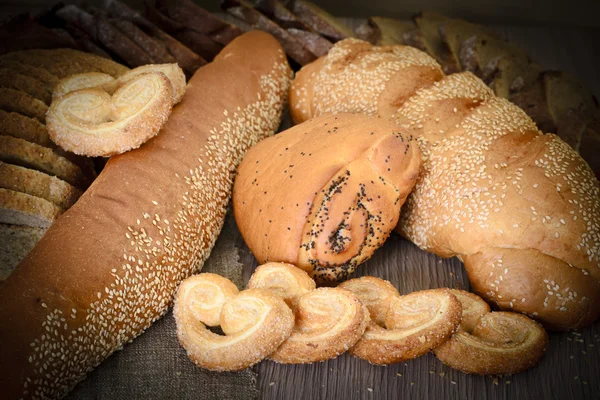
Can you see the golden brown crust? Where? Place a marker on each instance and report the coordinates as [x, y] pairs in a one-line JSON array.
[[92, 122], [130, 248], [255, 322], [490, 179], [285, 280], [545, 288], [375, 293], [85, 80], [473, 308], [361, 170], [110, 84], [416, 323], [328, 322], [173, 73], [501, 343]]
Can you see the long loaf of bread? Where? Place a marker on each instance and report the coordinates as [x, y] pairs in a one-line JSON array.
[[520, 208], [110, 265]]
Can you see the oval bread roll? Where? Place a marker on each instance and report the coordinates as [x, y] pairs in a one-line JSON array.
[[325, 194], [110, 265], [520, 208]]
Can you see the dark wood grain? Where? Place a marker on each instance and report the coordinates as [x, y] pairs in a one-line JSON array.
[[569, 370]]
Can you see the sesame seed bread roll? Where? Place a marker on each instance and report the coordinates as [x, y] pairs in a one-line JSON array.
[[324, 195], [110, 265], [520, 208]]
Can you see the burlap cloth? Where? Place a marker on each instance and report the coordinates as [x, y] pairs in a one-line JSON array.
[[155, 366]]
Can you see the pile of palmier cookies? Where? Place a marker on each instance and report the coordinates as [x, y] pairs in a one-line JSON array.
[[282, 316]]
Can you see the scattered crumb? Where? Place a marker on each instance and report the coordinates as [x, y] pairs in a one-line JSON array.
[[507, 382], [178, 373], [432, 372], [271, 384], [495, 381], [442, 374], [412, 383], [399, 374], [370, 389], [576, 377]]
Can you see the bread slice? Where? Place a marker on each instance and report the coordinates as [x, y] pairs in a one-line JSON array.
[[22, 127], [38, 184], [14, 80], [46, 78], [15, 242], [31, 155], [12, 100], [23, 209]]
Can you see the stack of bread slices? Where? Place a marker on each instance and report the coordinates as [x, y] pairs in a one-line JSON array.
[[38, 180]]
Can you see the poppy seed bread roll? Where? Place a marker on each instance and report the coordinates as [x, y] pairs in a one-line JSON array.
[[520, 208], [324, 195], [109, 266]]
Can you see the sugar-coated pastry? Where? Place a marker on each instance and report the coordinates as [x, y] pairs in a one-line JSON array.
[[285, 280], [492, 343], [375, 293], [255, 323], [329, 321], [415, 324]]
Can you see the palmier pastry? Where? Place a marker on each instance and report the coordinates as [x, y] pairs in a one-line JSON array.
[[110, 84], [324, 195], [328, 322], [96, 115], [283, 279], [255, 322], [492, 343], [416, 323]]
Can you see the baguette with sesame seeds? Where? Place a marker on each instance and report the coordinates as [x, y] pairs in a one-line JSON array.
[[110, 265], [520, 208]]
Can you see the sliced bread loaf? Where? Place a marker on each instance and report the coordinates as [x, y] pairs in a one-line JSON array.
[[12, 100], [23, 209], [22, 127], [39, 184], [21, 152]]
